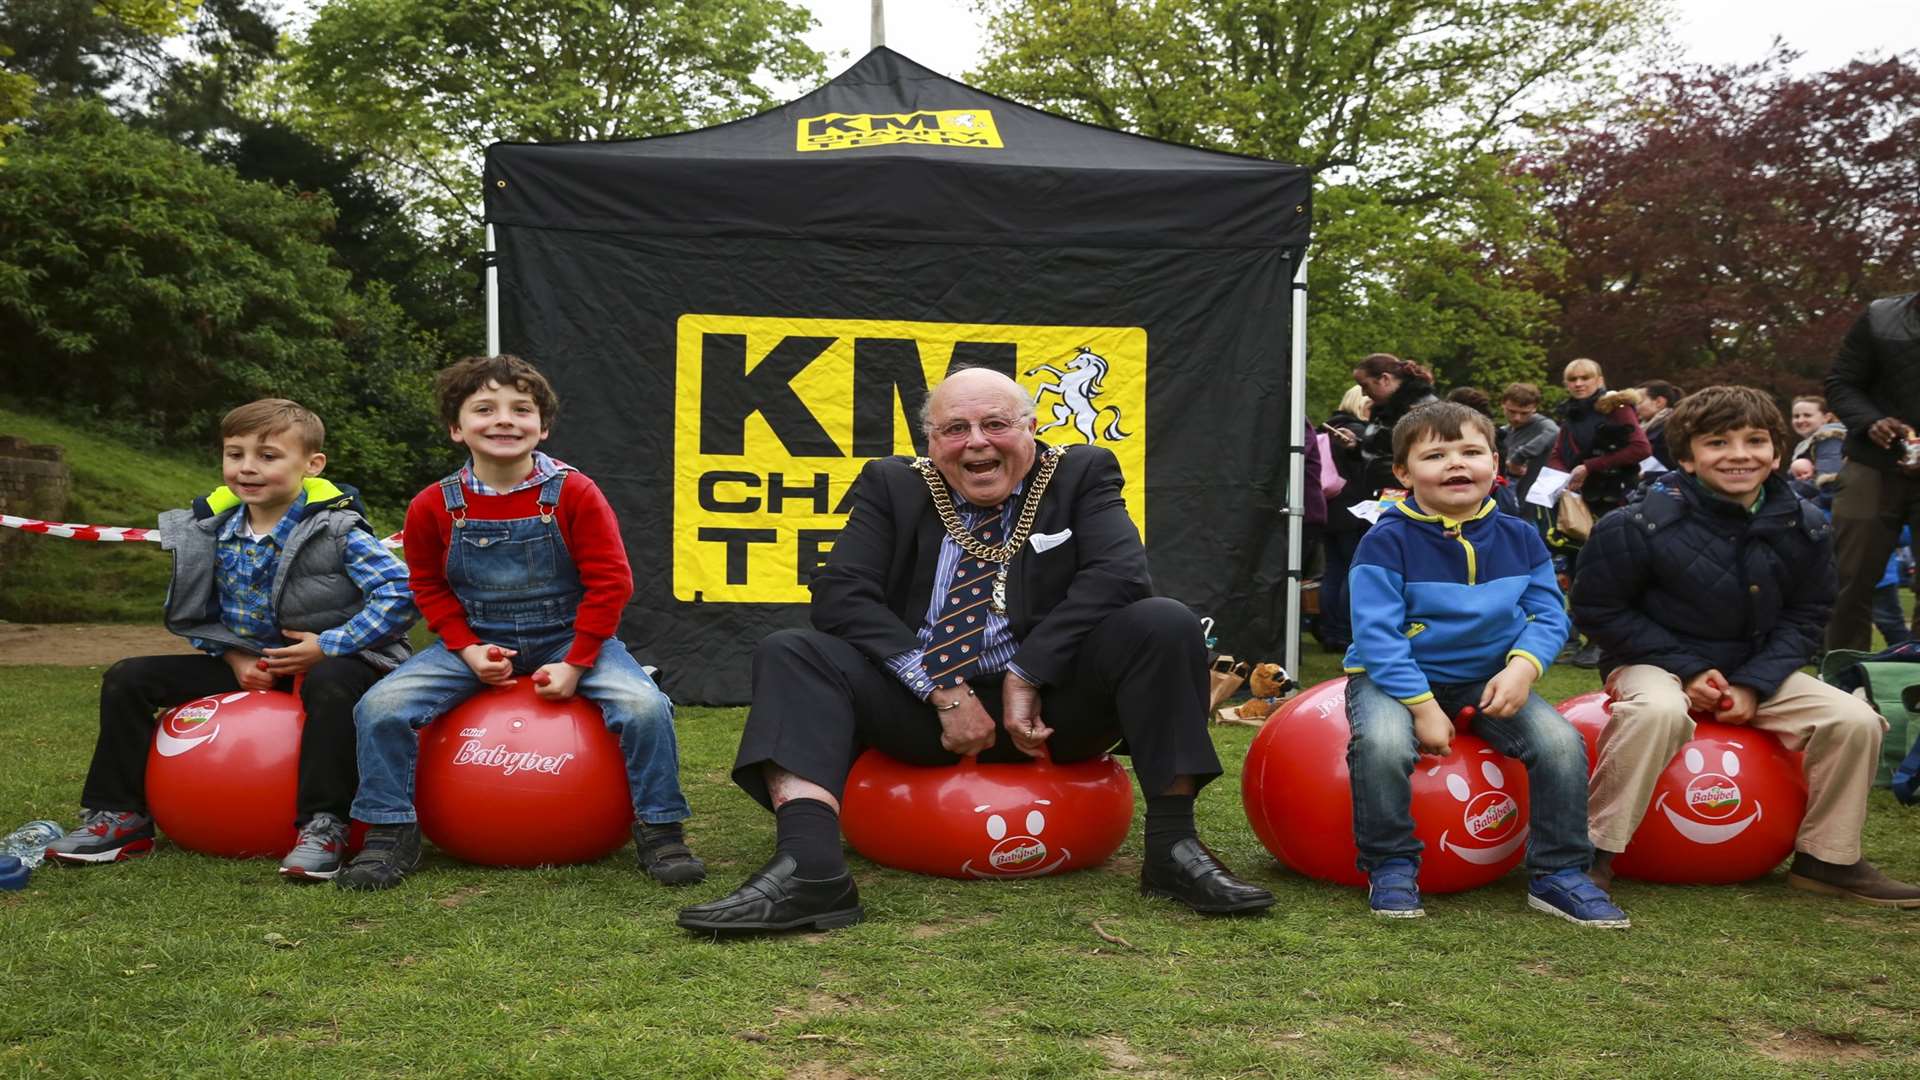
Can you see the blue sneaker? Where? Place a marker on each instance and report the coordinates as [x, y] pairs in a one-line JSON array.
[[1573, 896], [1393, 892]]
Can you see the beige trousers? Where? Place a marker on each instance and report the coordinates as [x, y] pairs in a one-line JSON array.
[[1839, 732]]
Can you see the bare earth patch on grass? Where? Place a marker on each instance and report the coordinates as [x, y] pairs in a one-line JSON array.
[[84, 644], [1803, 1047]]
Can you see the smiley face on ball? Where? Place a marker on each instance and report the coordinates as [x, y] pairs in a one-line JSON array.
[[1015, 854]]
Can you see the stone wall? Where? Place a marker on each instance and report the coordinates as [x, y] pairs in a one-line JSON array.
[[34, 482]]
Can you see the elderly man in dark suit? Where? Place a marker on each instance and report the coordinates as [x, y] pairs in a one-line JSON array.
[[993, 600]]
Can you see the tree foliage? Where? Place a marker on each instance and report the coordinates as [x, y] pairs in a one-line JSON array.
[[1729, 223], [1406, 113], [81, 48], [141, 282], [420, 87]]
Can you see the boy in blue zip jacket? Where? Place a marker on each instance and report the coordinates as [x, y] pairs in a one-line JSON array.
[[1455, 605], [275, 574]]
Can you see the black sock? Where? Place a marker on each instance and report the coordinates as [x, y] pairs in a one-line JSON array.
[[809, 830], [1169, 821]]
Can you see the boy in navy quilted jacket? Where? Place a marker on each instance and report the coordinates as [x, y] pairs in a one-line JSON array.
[[1455, 606], [1706, 593]]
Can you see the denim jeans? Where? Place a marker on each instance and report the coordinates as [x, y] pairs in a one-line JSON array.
[[1382, 755], [436, 680]]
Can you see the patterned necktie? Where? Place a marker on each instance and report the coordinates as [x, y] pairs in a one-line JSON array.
[[954, 651]]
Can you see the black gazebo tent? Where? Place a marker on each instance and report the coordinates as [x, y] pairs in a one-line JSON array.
[[737, 318]]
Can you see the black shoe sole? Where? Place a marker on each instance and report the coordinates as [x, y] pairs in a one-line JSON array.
[[1243, 907], [830, 920]]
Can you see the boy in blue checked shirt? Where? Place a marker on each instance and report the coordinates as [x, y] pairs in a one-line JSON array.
[[275, 574], [1455, 606]]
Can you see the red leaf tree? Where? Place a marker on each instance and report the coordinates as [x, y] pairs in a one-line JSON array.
[[1730, 224]]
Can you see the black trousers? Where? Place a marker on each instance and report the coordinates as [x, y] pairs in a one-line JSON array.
[[1139, 687], [136, 690]]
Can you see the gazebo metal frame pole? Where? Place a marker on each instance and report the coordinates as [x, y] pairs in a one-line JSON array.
[[493, 298], [1296, 464]]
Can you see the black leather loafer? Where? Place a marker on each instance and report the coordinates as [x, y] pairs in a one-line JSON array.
[[1191, 875], [775, 899]]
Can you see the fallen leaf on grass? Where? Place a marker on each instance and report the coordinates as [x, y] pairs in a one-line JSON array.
[[754, 1037], [141, 968], [280, 941]]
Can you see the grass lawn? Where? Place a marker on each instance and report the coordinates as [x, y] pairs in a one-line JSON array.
[[185, 965]]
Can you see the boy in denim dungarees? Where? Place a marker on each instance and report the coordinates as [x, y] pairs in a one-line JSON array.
[[517, 563]]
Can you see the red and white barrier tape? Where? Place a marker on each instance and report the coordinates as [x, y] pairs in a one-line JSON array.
[[111, 533]]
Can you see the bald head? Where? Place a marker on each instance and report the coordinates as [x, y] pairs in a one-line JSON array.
[[976, 383]]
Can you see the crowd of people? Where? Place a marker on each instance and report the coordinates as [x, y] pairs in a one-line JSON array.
[[1613, 444], [992, 599]]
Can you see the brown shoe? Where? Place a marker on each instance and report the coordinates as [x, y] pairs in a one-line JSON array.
[[1862, 881], [1602, 870]]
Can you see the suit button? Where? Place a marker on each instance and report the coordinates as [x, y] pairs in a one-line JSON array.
[[1755, 589]]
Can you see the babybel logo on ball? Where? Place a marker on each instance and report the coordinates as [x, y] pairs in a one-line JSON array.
[[1491, 815], [1712, 795], [189, 726], [509, 761]]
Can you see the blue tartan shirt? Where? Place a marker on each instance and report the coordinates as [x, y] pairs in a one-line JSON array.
[[244, 585]]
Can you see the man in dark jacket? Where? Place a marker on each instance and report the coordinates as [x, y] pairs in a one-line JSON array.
[[1706, 592], [1071, 653], [1874, 388]]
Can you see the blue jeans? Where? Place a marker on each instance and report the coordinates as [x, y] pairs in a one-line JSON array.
[[436, 680], [1382, 755]]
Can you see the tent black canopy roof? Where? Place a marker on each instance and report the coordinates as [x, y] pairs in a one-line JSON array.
[[1054, 181]]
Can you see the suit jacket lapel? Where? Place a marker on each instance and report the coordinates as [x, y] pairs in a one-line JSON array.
[[926, 552]]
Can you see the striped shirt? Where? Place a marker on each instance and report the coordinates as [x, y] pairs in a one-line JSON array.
[[997, 645]]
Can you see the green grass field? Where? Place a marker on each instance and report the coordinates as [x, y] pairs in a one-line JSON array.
[[190, 966]]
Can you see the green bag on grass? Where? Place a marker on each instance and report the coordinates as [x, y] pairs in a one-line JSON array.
[[1893, 688]]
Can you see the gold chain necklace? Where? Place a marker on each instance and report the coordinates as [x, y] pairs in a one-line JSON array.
[[1000, 553]]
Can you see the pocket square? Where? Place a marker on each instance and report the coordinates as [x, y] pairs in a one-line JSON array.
[[1048, 541]]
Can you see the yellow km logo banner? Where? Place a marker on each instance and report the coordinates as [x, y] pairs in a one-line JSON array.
[[775, 417], [936, 127]]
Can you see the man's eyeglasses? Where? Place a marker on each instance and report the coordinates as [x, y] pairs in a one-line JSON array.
[[993, 427]]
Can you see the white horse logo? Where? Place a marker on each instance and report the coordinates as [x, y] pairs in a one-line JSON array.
[[1078, 386]]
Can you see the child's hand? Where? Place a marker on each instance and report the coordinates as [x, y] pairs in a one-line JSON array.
[[556, 681], [247, 670], [491, 664], [1431, 728], [295, 659], [1705, 690], [1507, 691], [1745, 703]]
